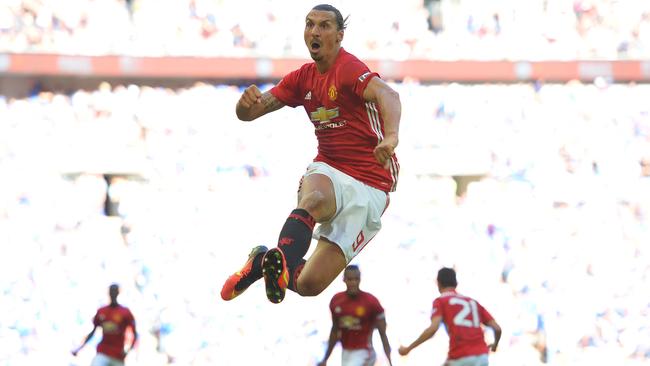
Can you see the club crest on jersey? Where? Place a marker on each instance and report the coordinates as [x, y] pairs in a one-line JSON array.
[[332, 93], [360, 311]]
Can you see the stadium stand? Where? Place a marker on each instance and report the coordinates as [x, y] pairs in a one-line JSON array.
[[538, 193]]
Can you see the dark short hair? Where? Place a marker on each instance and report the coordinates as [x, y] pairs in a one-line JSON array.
[[447, 277], [352, 267], [341, 23]]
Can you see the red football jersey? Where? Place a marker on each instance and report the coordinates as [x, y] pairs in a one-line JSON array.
[[462, 317], [355, 317], [114, 322], [347, 127]]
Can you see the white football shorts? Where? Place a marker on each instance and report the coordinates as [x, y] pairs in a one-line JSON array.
[[102, 360], [358, 211], [358, 357], [478, 360]]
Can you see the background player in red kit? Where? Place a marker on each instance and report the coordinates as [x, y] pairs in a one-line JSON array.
[[462, 317], [355, 315], [114, 319], [356, 118]]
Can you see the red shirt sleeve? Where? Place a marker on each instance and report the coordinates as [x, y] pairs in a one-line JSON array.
[[96, 320], [287, 90], [377, 308], [131, 319], [436, 310], [356, 76], [484, 315], [332, 306]]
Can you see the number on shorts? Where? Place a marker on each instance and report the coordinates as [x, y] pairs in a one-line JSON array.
[[467, 307], [359, 241]]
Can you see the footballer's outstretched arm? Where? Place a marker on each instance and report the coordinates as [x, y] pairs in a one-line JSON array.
[[253, 104], [426, 335], [88, 337]]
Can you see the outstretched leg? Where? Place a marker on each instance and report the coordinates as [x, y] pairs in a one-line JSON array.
[[281, 266], [324, 265], [308, 278]]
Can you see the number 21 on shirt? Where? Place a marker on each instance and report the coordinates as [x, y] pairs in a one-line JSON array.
[[468, 314]]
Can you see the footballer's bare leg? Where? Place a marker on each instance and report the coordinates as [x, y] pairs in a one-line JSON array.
[[281, 266], [317, 196], [324, 265]]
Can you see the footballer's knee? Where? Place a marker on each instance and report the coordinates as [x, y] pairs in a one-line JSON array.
[[310, 287], [319, 205]]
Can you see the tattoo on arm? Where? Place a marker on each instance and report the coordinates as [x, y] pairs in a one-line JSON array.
[[270, 102]]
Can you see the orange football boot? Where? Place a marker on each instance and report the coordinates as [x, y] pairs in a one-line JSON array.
[[276, 275], [239, 281]]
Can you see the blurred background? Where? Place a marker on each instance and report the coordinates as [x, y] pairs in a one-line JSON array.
[[524, 147]]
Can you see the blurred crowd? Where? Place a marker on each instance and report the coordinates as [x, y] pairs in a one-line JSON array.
[[380, 29], [164, 192]]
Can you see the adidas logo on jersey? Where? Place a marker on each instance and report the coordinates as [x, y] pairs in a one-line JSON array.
[[308, 95]]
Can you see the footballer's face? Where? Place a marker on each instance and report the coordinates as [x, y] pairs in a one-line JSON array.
[[322, 36], [352, 277], [113, 291]]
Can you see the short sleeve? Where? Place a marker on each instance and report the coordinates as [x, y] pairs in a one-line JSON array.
[[377, 308], [131, 318], [436, 309], [356, 77], [287, 90], [332, 306], [484, 315], [96, 320]]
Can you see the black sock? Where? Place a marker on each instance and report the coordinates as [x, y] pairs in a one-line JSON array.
[[295, 239]]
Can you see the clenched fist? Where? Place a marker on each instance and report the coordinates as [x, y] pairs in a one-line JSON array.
[[251, 95], [385, 150]]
